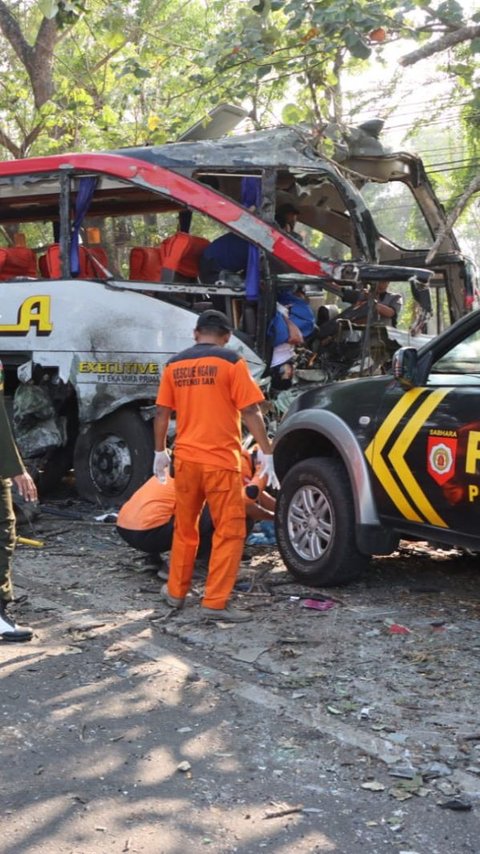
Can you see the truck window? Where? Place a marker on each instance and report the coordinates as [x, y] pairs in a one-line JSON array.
[[397, 215], [460, 365]]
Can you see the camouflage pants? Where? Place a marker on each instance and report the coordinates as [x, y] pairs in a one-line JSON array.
[[7, 539]]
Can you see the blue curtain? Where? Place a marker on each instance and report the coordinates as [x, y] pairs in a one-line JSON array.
[[251, 196], [184, 220], [86, 189]]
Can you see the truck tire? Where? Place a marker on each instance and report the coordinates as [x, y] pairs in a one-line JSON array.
[[315, 524], [113, 457]]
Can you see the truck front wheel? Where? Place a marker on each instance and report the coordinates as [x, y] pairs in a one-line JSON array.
[[113, 457], [315, 524]]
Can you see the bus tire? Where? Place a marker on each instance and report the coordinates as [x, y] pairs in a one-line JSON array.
[[113, 457]]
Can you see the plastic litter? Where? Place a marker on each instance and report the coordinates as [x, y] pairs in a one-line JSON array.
[[110, 516], [26, 541], [267, 528], [263, 534], [255, 539], [318, 604], [397, 629]]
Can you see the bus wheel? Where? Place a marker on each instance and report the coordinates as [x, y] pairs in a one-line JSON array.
[[113, 457]]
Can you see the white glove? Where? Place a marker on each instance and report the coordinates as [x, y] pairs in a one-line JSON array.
[[267, 469], [161, 463]]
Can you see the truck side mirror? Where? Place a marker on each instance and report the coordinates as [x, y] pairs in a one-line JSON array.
[[404, 366]]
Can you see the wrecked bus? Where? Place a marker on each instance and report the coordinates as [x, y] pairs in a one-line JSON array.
[[99, 281]]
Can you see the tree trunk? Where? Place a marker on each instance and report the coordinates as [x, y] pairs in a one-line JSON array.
[[37, 59]]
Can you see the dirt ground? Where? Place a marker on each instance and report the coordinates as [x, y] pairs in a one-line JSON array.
[[129, 728]]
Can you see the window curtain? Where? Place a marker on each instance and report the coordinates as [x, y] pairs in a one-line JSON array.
[[184, 221], [86, 189], [251, 196]]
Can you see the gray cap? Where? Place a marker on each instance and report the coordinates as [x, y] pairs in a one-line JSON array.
[[212, 319]]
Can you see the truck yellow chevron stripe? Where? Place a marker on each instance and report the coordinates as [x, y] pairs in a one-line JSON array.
[[400, 448], [375, 455]]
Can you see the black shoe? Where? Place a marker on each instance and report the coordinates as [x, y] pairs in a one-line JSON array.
[[225, 615], [9, 631]]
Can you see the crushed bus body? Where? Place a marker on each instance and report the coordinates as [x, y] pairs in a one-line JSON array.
[[100, 281]]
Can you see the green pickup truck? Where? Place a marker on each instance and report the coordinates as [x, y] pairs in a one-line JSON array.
[[365, 463]]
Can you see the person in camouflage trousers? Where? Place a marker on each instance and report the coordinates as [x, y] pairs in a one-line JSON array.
[[11, 468]]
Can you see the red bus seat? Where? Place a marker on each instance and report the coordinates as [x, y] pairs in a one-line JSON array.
[[146, 263], [92, 269], [181, 255], [50, 264], [178, 256], [18, 261]]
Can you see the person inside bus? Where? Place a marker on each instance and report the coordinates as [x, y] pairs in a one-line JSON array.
[[227, 253], [386, 306], [292, 325], [286, 217]]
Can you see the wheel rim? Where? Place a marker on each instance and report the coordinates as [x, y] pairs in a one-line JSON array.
[[110, 465], [310, 523]]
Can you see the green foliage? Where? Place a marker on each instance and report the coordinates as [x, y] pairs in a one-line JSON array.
[[143, 72], [66, 12], [119, 73], [450, 11]]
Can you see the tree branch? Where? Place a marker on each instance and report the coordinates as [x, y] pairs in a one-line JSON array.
[[30, 139], [463, 34], [9, 145], [472, 188]]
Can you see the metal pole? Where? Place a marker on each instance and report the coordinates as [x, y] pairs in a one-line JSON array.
[[65, 225]]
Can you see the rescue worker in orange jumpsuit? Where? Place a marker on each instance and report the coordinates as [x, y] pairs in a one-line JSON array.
[[210, 389], [146, 520]]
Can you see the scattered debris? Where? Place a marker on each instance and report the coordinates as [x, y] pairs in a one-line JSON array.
[[317, 604], [436, 769], [456, 804], [110, 516], [373, 786], [26, 541], [397, 628], [283, 812], [400, 794], [404, 771]]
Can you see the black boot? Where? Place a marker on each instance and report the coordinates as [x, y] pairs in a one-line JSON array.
[[9, 631]]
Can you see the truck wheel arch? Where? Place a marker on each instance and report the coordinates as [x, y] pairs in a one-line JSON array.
[[313, 433]]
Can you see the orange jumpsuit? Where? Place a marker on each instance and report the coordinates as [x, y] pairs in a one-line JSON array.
[[207, 386], [151, 506]]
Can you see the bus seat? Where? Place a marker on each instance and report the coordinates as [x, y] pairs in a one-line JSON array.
[[18, 261], [146, 263], [50, 264], [181, 256], [92, 254]]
